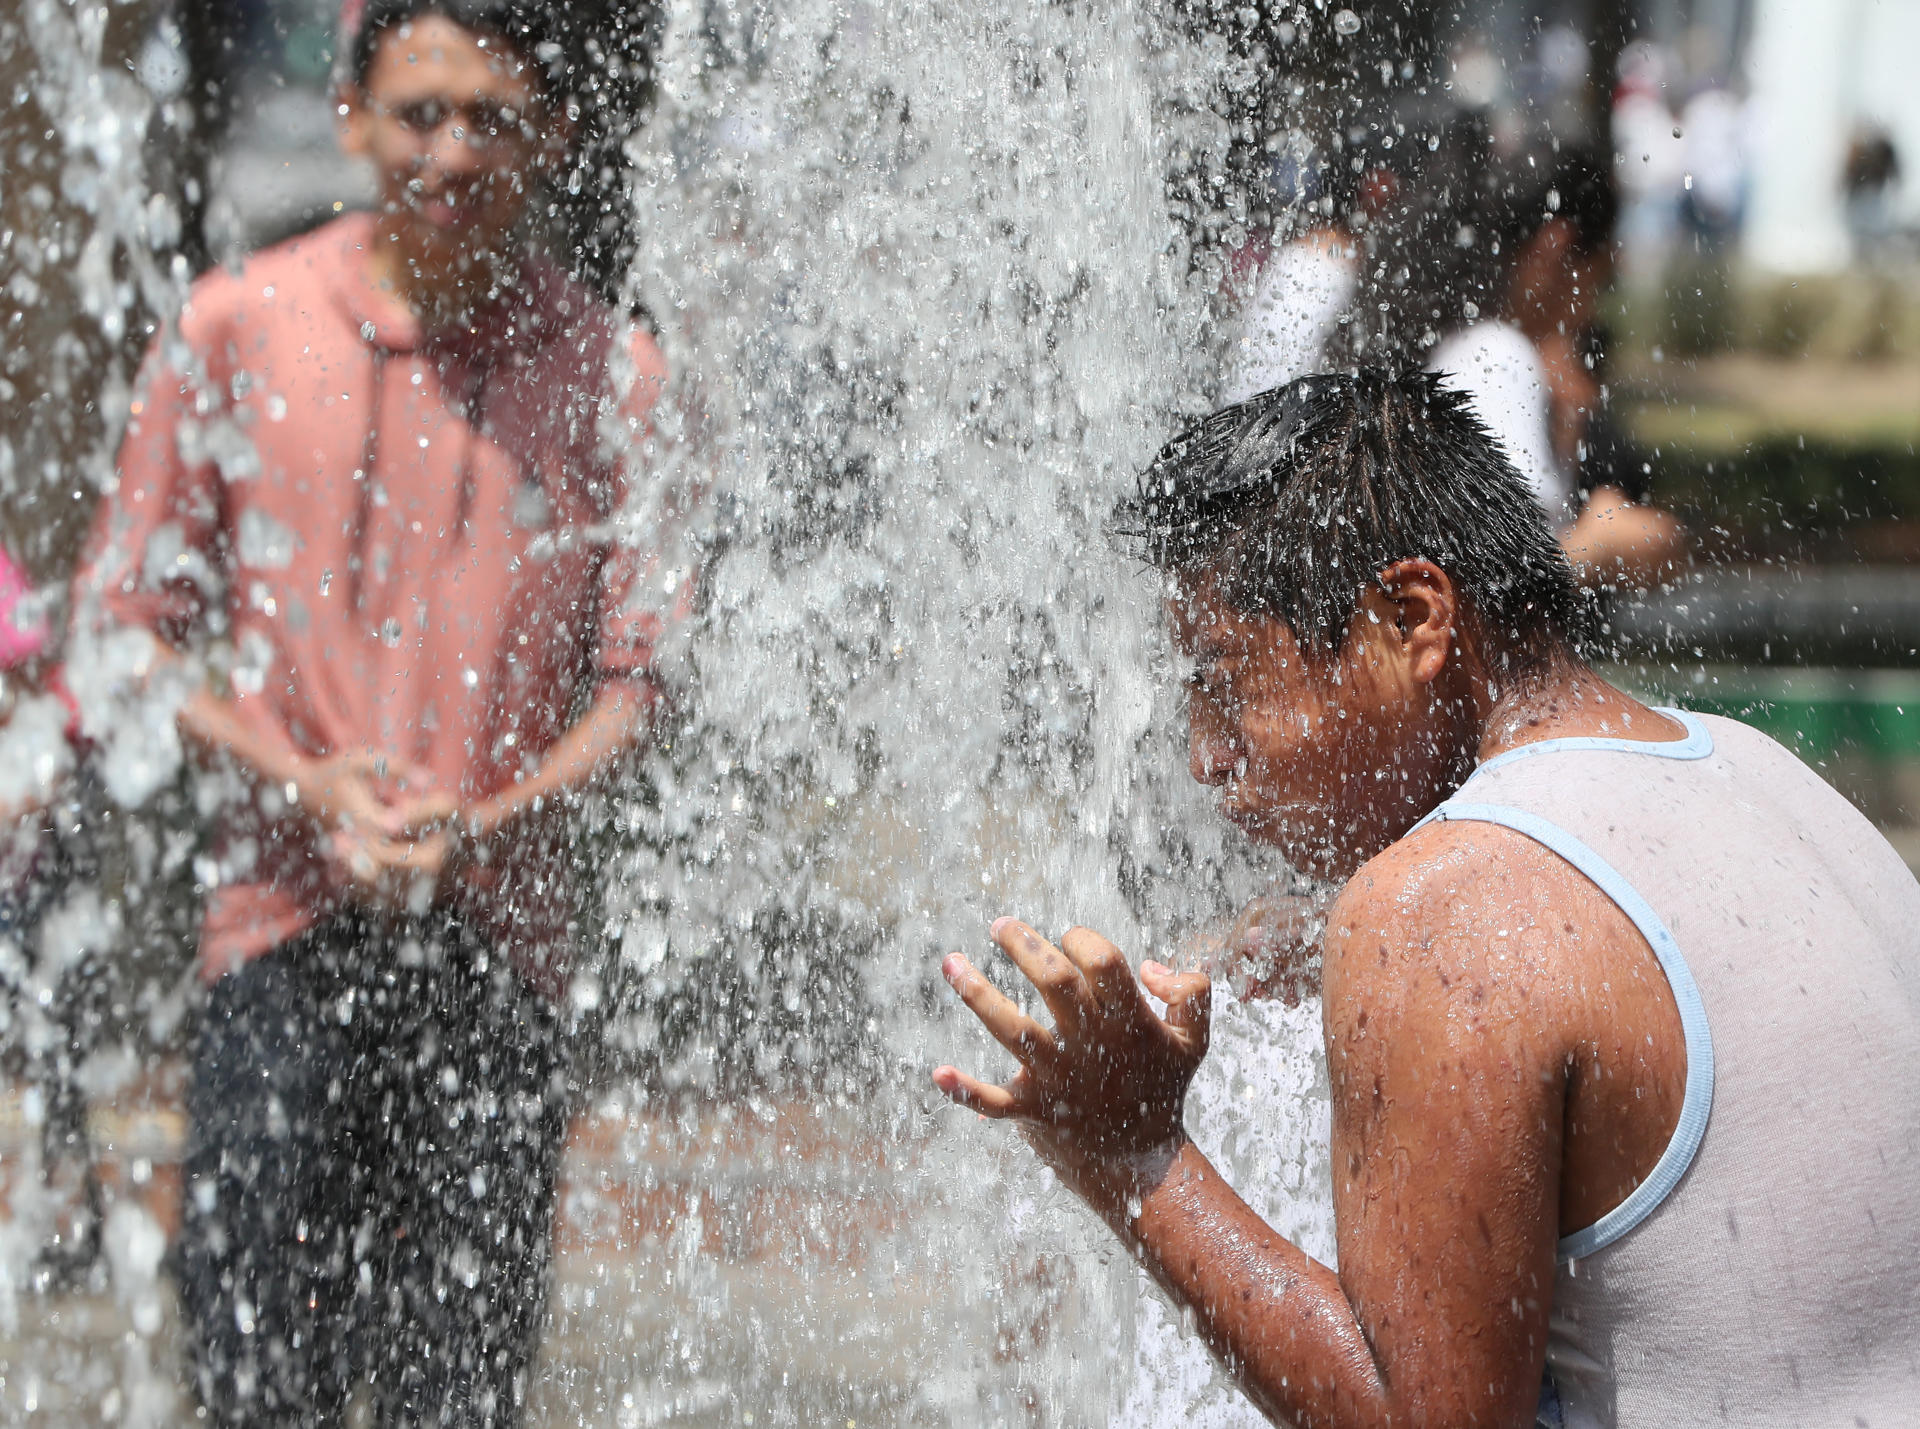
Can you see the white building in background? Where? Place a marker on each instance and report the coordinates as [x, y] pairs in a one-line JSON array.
[[1820, 71], [1792, 84]]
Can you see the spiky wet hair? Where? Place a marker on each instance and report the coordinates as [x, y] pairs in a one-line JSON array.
[[1293, 502]]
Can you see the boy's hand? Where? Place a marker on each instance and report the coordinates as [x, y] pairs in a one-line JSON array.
[[399, 872], [1105, 1087]]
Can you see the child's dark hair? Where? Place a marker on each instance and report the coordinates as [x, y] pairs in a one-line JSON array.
[[1294, 501], [521, 24]]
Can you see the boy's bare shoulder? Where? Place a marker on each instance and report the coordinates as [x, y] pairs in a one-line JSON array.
[[1436, 871], [1473, 904]]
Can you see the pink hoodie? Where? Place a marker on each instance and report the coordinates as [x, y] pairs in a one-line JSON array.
[[405, 537]]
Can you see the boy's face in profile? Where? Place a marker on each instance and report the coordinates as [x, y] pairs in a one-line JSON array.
[[1329, 758], [453, 121]]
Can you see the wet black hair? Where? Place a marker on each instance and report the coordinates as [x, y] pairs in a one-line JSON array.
[[1294, 501]]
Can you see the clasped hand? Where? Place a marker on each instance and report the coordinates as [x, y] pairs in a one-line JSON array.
[[383, 828], [1103, 1087]]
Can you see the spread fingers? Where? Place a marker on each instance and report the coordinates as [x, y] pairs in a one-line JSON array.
[[974, 1094], [1065, 991], [1104, 967], [1010, 1027]]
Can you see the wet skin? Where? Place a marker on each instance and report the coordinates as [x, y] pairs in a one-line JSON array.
[[1505, 1056]]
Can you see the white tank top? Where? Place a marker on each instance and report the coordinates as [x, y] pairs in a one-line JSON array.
[[1768, 1272]]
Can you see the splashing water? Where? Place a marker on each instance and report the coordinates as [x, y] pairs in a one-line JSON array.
[[931, 352], [929, 355], [919, 275]]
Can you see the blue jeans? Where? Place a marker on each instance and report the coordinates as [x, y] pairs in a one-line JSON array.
[[376, 1113]]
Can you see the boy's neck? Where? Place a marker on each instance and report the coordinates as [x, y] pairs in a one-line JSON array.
[[1572, 701]]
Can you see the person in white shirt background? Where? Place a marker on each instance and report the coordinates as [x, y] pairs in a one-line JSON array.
[[1306, 282], [1489, 271], [1528, 358]]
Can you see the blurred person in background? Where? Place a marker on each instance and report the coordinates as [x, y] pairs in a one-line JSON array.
[[1699, 306], [1651, 154], [1714, 187], [30, 699], [1870, 180], [1307, 280], [379, 467], [1493, 277]]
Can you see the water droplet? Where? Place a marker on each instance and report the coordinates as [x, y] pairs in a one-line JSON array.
[[1345, 22]]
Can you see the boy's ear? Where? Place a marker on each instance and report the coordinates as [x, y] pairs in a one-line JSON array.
[[1418, 602], [351, 120]]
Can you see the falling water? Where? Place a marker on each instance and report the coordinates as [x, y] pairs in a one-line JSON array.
[[934, 282], [929, 349], [927, 353]]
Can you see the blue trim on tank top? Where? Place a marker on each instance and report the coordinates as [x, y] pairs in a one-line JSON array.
[[1697, 745], [1697, 1104]]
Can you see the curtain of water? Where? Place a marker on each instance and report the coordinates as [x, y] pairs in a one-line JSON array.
[[920, 272], [935, 281], [90, 258]]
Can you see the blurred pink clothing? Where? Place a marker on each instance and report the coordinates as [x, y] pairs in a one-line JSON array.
[[21, 636], [404, 536]]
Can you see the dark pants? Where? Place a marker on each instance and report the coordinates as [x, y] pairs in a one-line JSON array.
[[376, 1115]]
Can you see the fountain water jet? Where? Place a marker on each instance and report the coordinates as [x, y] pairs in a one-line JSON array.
[[935, 283]]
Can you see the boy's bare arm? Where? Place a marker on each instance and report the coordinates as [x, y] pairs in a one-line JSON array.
[[1447, 1110], [619, 718]]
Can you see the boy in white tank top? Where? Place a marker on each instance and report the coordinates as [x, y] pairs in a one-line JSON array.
[[1621, 1005]]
